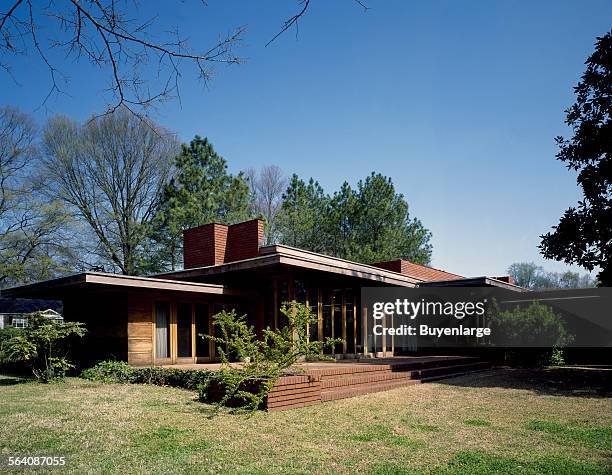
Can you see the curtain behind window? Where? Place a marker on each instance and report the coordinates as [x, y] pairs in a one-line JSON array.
[[162, 329]]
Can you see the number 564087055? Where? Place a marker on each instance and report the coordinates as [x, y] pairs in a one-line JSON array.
[[36, 460]]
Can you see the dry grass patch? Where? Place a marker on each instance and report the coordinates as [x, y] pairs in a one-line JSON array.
[[474, 424]]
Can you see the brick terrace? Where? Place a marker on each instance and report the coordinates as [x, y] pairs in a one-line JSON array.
[[312, 383]]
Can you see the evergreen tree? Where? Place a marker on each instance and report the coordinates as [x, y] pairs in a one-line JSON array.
[[303, 215], [369, 224], [201, 191]]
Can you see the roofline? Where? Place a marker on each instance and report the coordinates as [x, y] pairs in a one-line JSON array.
[[281, 254], [117, 280], [421, 265], [482, 280]]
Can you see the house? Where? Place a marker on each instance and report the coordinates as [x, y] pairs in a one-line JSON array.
[[156, 320], [14, 311]]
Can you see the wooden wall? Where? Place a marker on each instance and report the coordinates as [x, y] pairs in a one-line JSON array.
[[140, 328]]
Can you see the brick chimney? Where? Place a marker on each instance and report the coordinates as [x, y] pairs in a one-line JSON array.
[[506, 278], [214, 244]]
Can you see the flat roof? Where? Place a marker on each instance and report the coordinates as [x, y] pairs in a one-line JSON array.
[[291, 256], [482, 281], [87, 279]]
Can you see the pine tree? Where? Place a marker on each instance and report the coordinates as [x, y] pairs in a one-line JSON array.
[[201, 191]]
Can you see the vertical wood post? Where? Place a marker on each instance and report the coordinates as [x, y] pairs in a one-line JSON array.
[[365, 330], [344, 342]]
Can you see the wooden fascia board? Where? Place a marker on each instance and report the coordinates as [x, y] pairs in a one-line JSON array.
[[121, 281], [246, 264], [159, 284], [349, 271]]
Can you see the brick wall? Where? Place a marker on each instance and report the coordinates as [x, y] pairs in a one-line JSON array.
[[244, 240], [214, 244], [205, 245]]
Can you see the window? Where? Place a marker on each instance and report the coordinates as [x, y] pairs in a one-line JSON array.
[[162, 330], [20, 322], [313, 303], [183, 330], [349, 305], [337, 320], [201, 321]]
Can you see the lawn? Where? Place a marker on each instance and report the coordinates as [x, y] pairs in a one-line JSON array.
[[504, 422]]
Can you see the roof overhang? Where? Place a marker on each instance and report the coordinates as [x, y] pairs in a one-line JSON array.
[[99, 280], [298, 258], [474, 282]]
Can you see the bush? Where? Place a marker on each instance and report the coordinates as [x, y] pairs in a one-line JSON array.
[[6, 334], [108, 372], [121, 372], [532, 326], [263, 361], [43, 344], [531, 334]]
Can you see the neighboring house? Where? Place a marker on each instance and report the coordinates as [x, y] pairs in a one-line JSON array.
[[14, 311], [156, 320]]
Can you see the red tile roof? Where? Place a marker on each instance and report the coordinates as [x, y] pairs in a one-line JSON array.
[[418, 271]]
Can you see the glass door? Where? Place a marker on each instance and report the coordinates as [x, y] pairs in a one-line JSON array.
[[351, 323], [183, 331], [202, 326], [162, 332]]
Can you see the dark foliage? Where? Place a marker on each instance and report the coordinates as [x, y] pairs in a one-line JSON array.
[[584, 233]]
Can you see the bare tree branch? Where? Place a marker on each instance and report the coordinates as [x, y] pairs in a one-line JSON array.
[[106, 33], [291, 21], [9, 13], [294, 20]]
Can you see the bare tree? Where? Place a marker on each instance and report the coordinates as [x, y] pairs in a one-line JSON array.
[[111, 172], [266, 188], [31, 229], [142, 59], [143, 66]]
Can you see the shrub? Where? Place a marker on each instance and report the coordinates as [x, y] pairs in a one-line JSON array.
[[529, 333], [108, 372], [6, 334], [264, 361], [43, 346], [556, 357], [121, 372]]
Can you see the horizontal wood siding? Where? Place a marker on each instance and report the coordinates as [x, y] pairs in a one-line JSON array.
[[140, 328]]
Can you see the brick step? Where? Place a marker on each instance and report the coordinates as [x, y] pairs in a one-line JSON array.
[[361, 378], [332, 373], [333, 394], [295, 395], [315, 397]]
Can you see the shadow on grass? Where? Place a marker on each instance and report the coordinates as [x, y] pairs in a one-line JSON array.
[[588, 382], [10, 380]]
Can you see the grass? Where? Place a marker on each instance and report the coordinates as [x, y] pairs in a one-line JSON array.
[[502, 422], [477, 423]]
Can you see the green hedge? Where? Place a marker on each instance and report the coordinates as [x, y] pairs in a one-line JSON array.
[[121, 372]]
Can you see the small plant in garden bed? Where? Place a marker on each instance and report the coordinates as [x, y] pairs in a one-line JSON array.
[[264, 360]]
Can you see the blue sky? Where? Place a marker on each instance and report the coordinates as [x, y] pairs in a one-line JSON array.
[[459, 102]]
